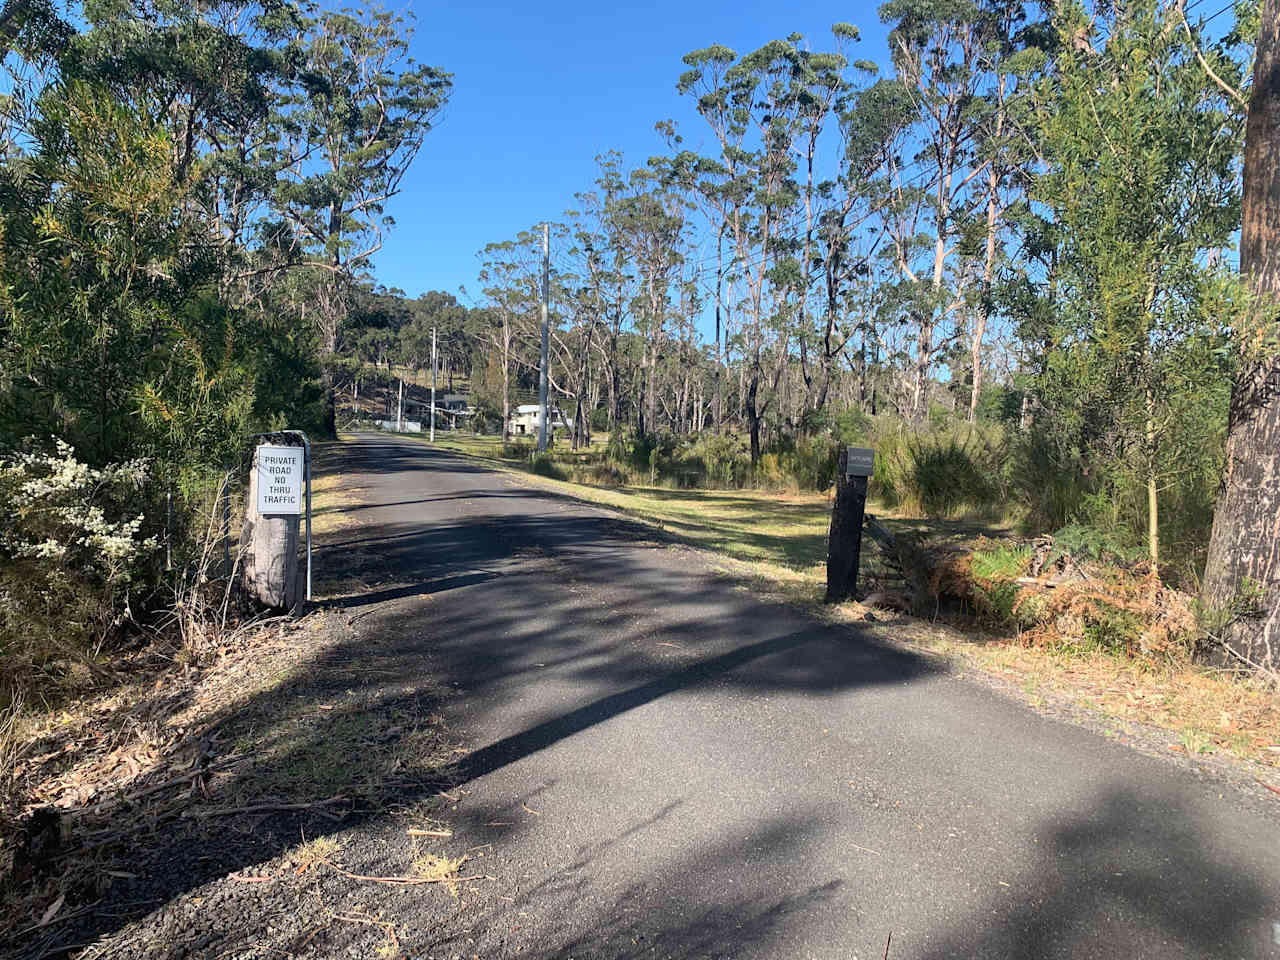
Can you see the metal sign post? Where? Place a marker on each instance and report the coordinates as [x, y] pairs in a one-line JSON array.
[[844, 543]]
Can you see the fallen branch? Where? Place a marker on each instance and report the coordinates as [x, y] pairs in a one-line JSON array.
[[1034, 582], [206, 812], [51, 922], [403, 881], [157, 787]]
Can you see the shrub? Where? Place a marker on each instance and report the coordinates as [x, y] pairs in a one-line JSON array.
[[69, 552], [723, 460], [544, 465], [1048, 485], [853, 426], [604, 475], [814, 462]]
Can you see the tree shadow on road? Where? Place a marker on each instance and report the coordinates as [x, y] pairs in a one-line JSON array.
[[1130, 876], [1136, 875]]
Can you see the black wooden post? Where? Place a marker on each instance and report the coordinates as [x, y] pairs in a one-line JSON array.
[[844, 543]]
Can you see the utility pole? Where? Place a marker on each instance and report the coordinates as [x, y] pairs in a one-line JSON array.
[[542, 378], [433, 384], [400, 408]]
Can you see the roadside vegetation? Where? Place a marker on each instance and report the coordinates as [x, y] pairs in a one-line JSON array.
[[189, 195], [184, 214]]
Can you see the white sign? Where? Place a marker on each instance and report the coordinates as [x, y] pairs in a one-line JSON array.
[[279, 479], [861, 462]]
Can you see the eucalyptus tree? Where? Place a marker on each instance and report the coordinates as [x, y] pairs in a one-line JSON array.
[[607, 270], [937, 49], [751, 108], [851, 235], [509, 278], [819, 88], [358, 123], [1012, 54], [653, 227]]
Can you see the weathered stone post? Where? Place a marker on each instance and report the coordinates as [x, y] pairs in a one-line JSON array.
[[269, 539], [844, 542]]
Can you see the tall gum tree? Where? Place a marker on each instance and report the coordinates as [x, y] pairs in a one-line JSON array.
[[1242, 574], [361, 120], [937, 48], [751, 107]]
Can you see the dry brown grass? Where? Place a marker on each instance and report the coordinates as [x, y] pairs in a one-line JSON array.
[[331, 493]]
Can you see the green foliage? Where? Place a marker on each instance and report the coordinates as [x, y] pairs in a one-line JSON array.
[[1091, 543], [1141, 182], [995, 570], [1048, 486], [603, 474], [72, 547], [947, 475], [725, 460], [151, 306], [948, 471], [544, 465]]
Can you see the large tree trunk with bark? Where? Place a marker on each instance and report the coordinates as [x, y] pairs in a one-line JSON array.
[[1242, 576]]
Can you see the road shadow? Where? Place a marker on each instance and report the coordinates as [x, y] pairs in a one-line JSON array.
[[1130, 876], [1136, 875]]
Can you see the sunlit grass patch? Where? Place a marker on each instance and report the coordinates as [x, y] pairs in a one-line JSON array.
[[437, 868]]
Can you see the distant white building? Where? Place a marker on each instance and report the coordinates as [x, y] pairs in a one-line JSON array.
[[526, 419]]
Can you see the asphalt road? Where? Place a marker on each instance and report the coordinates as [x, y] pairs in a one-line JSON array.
[[667, 767]]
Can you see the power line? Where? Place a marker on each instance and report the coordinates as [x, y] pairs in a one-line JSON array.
[[1229, 6]]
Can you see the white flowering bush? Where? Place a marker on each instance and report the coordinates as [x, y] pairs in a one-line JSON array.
[[71, 544]]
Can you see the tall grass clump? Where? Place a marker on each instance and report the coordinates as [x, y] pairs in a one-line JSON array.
[[1046, 484], [951, 474], [943, 472], [544, 465]]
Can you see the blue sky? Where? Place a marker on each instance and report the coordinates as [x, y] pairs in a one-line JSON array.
[[539, 91]]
